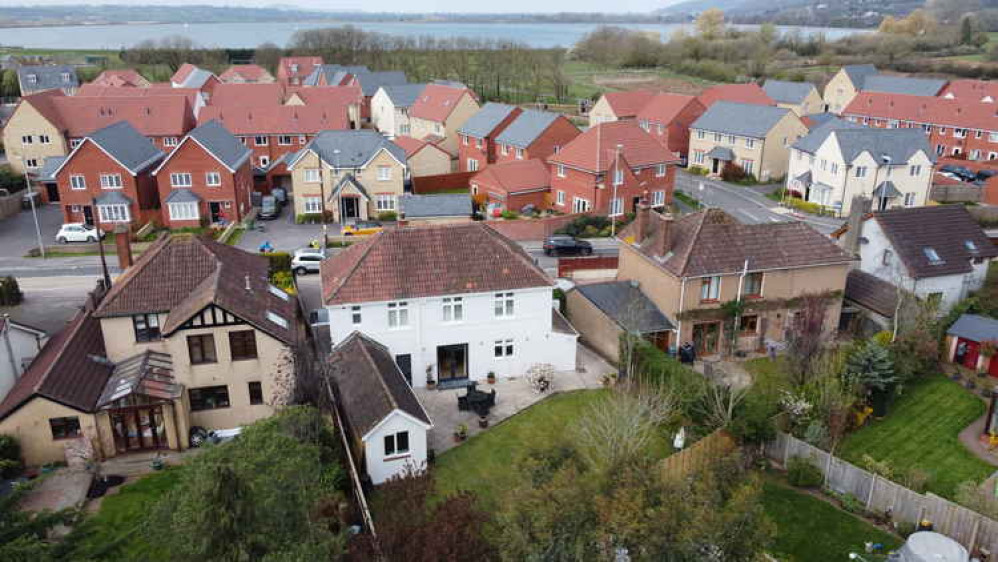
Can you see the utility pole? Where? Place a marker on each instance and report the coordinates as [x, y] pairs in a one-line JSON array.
[[613, 201], [100, 245], [34, 215]]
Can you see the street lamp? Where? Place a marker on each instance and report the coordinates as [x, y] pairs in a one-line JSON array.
[[613, 201], [34, 215]]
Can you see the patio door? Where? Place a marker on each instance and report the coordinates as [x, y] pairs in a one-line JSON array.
[[452, 362], [138, 428], [706, 337]]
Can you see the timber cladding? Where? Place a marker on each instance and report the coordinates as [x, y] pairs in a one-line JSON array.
[[699, 455], [423, 185]]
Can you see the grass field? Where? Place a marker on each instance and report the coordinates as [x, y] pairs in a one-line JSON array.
[[921, 431], [809, 528], [484, 464]]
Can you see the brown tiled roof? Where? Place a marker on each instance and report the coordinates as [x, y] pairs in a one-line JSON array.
[[182, 274], [370, 385], [740, 93], [516, 175], [872, 292], [65, 370], [944, 228], [628, 104], [437, 102], [596, 148], [413, 262], [712, 242], [967, 113]]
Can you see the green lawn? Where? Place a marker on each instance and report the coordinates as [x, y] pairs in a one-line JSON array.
[[484, 464], [112, 534], [921, 431], [811, 529]]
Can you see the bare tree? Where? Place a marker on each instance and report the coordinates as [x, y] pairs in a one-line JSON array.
[[620, 427], [806, 337]]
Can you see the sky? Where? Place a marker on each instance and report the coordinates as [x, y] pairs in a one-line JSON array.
[[426, 6]]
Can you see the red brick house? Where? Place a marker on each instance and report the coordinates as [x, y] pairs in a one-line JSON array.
[[292, 71], [535, 134], [608, 168], [206, 180], [246, 74], [478, 148], [112, 170], [510, 186], [738, 93], [668, 118], [956, 127]]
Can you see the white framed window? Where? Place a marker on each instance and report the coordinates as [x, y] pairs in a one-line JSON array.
[[74, 143], [659, 170], [32, 79], [519, 153], [437, 128], [561, 170], [453, 309], [384, 173], [504, 149], [110, 181], [942, 130], [187, 211], [114, 213], [860, 171], [618, 176], [504, 305], [478, 142], [909, 199], [385, 202], [993, 156], [313, 204], [992, 137], [718, 137], [472, 165], [171, 141], [560, 198], [749, 166], [264, 161], [731, 139], [957, 151], [77, 182], [397, 444], [749, 143], [261, 140], [975, 154], [699, 157], [44, 139], [503, 348], [960, 133], [404, 129], [398, 314], [657, 198], [213, 179], [76, 208], [355, 315], [312, 175], [710, 288], [464, 139], [701, 134], [27, 139], [834, 170], [31, 163], [915, 170], [181, 179], [580, 205], [616, 207], [302, 139], [284, 140]]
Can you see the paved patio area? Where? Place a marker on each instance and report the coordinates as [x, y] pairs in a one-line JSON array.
[[61, 489], [512, 395]]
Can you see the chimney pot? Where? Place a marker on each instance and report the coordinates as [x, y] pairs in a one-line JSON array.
[[665, 243], [642, 218]]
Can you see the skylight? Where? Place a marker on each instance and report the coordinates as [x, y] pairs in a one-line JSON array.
[[277, 292], [932, 255], [280, 321], [971, 247]]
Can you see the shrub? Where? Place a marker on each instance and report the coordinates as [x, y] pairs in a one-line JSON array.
[[804, 206], [387, 216], [510, 215], [279, 261], [10, 456], [580, 225], [850, 503], [698, 170], [733, 172], [11, 180], [802, 473], [308, 218], [10, 292]]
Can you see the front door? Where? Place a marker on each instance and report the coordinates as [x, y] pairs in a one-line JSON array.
[[88, 215], [139, 427], [706, 337], [452, 362], [659, 339], [349, 208], [215, 208], [716, 166], [405, 365], [52, 190]]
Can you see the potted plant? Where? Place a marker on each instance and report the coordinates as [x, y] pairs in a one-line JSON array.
[[492, 377], [483, 421], [430, 382], [461, 432]]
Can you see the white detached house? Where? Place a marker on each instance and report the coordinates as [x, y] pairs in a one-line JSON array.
[[452, 303]]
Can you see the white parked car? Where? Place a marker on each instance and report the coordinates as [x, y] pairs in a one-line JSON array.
[[77, 232], [307, 260]]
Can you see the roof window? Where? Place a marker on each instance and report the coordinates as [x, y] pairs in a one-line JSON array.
[[932, 255], [277, 292], [276, 319], [971, 247]]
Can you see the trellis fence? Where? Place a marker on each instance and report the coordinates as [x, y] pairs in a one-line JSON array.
[[879, 495]]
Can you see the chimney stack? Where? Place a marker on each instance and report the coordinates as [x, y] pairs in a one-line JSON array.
[[665, 242], [249, 288], [123, 245], [859, 208], [641, 219]]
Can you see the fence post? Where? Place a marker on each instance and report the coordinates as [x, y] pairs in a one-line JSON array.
[[869, 497], [828, 469], [786, 450], [973, 534]]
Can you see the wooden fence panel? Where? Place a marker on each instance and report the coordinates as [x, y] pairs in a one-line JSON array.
[[443, 182]]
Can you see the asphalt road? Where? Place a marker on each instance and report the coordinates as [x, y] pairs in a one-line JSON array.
[[746, 204]]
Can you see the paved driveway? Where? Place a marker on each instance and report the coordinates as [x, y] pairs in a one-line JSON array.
[[283, 234], [17, 233]]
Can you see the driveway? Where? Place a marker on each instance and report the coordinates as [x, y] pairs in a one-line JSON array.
[[283, 234], [18, 231]]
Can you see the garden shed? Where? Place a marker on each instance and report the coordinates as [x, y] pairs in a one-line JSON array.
[[971, 342]]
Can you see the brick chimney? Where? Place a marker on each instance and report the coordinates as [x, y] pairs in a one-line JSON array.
[[641, 219], [123, 245], [858, 209], [665, 241]]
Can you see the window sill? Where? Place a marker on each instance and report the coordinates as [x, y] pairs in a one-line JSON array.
[[254, 358], [210, 409], [709, 301], [397, 457], [68, 437], [752, 297], [193, 364]]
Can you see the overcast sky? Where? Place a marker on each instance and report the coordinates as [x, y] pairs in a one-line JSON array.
[[408, 5]]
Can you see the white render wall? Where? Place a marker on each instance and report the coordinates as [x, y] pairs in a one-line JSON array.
[[25, 346], [954, 288], [530, 328], [380, 467]]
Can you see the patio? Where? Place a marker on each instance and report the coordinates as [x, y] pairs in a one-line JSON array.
[[512, 396]]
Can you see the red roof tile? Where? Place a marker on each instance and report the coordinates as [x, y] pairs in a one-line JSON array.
[[330, 95], [246, 73], [412, 146], [150, 114], [595, 149], [236, 95], [516, 175], [923, 109], [183, 72], [437, 101], [277, 119], [305, 67], [120, 78], [740, 93], [663, 108], [414, 262], [970, 90], [628, 104], [95, 91]]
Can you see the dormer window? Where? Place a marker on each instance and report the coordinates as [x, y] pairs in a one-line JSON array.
[[65, 77], [932, 255]]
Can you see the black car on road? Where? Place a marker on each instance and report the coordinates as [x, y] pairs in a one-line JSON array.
[[559, 245]]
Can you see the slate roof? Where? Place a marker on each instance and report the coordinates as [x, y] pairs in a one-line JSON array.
[[526, 128], [515, 176], [371, 81], [50, 167], [182, 196], [596, 148], [853, 140], [722, 153], [437, 101], [182, 274], [484, 122], [626, 105], [425, 261], [975, 327], [742, 119], [126, 145], [348, 179], [64, 371], [889, 84], [628, 306], [944, 228], [812, 141], [193, 78], [886, 189], [356, 147], [113, 197], [858, 73], [871, 292], [333, 73], [788, 92], [403, 95], [414, 206], [369, 384], [222, 144], [713, 242], [47, 77]]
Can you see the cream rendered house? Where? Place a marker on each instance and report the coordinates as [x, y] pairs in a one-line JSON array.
[[800, 97], [438, 112], [32, 133], [619, 106], [390, 109], [840, 160], [192, 335], [844, 86], [352, 174], [755, 137]]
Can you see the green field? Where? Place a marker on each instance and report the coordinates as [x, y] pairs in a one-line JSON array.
[[921, 431], [808, 528]]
